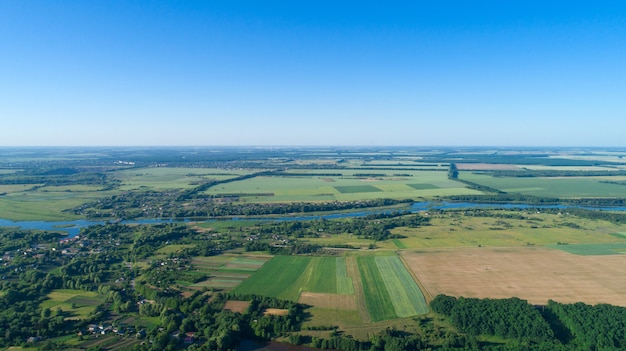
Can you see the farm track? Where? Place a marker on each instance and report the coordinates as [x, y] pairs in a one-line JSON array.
[[359, 294], [427, 295]]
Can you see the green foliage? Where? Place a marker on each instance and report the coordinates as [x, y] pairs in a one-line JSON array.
[[506, 318]]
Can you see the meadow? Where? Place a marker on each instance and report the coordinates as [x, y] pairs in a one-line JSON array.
[[456, 230], [77, 304]]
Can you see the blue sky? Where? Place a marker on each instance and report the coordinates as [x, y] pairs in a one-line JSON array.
[[489, 73]]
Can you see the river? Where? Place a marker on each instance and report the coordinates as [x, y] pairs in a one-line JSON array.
[[73, 227]]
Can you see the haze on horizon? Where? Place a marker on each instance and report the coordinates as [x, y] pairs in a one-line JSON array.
[[99, 73]]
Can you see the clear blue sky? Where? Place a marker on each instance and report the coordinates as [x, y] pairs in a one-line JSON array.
[[493, 73]]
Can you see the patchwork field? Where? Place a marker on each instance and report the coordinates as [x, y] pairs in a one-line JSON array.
[[157, 178], [343, 185], [533, 273], [226, 271]]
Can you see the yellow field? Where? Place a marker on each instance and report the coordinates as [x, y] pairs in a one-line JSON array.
[[532, 273]]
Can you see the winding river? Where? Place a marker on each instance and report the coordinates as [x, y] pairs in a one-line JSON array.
[[73, 227]]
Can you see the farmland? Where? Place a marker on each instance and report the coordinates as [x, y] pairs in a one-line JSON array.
[[571, 187], [344, 187], [533, 273], [290, 225]]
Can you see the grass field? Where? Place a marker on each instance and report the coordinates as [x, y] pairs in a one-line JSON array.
[[77, 303], [456, 230], [277, 278], [406, 297], [43, 206], [377, 297], [536, 274], [570, 187], [288, 276], [159, 178]]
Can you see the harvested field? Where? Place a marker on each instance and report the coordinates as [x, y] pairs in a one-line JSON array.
[[237, 306], [331, 301], [535, 274], [276, 312]]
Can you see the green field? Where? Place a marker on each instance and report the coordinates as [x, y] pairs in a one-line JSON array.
[[287, 276], [456, 230], [357, 189], [277, 278], [570, 187], [344, 282], [377, 298], [77, 303], [159, 178], [406, 296], [347, 187]]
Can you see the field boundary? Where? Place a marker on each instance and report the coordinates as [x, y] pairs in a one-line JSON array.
[[359, 294], [428, 296]]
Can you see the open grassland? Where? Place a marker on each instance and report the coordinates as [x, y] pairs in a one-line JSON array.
[[77, 303], [16, 188], [37, 206], [348, 186], [172, 248], [570, 187], [159, 178], [452, 229], [536, 274]]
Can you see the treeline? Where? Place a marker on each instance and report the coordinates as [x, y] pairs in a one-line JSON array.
[[522, 159], [191, 193], [555, 326], [60, 179], [215, 210], [475, 186], [515, 198], [506, 318], [599, 327]]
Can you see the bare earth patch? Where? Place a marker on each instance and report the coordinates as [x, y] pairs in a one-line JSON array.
[[236, 306], [332, 301], [534, 274], [276, 312], [484, 167]]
